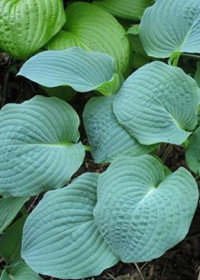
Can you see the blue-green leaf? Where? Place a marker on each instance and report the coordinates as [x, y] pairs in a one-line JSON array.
[[20, 271], [193, 152], [158, 103], [60, 236], [171, 26], [9, 207], [82, 70], [92, 28], [107, 138], [39, 147], [140, 212]]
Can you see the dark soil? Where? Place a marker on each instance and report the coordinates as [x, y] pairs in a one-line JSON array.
[[183, 261]]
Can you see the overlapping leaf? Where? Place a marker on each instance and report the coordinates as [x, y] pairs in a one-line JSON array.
[[158, 103], [140, 212], [10, 245], [171, 26], [92, 28], [82, 70], [9, 207], [26, 25], [128, 9], [60, 236], [108, 139], [38, 146], [193, 152], [20, 272]]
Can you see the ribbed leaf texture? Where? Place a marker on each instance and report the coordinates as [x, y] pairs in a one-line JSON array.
[[38, 146], [27, 25], [60, 236], [171, 26]]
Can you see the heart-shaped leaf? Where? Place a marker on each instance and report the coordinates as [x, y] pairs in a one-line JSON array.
[[94, 29], [82, 70], [107, 138], [26, 25], [193, 152], [171, 26], [140, 212], [60, 236], [38, 146], [158, 103], [10, 206], [129, 9]]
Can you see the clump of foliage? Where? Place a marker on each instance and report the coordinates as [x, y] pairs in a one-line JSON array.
[[137, 209]]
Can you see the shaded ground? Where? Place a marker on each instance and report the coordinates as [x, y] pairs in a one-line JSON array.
[[183, 261]]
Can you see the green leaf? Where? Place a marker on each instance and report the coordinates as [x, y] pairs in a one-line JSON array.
[[140, 212], [38, 146], [64, 93], [197, 74], [83, 71], [26, 26], [171, 26], [94, 29], [60, 236], [158, 103], [10, 245], [193, 152], [5, 275], [107, 138], [10, 206], [128, 9], [21, 271]]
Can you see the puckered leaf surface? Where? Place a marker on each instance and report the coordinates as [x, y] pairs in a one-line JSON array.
[[171, 26], [140, 212], [26, 25], [61, 238], [38, 146], [107, 138], [158, 103]]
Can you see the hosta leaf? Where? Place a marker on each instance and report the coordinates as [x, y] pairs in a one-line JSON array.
[[158, 103], [108, 139], [197, 74], [126, 9], [21, 271], [27, 25], [171, 26], [92, 28], [82, 70], [193, 152], [5, 275], [10, 245], [9, 207], [140, 212], [60, 236], [38, 146]]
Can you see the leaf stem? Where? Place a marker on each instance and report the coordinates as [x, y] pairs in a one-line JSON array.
[[166, 153], [176, 59], [87, 148]]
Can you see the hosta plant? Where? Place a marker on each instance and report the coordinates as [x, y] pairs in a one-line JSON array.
[[136, 209]]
